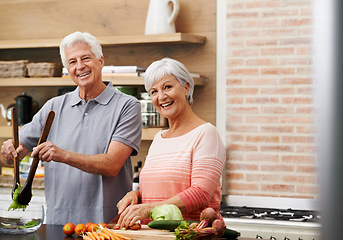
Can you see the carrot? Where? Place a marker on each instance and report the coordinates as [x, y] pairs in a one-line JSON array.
[[115, 236], [86, 238], [95, 235], [90, 235], [106, 236], [101, 237], [110, 233], [121, 236]]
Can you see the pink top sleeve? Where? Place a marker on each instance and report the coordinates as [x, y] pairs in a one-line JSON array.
[[189, 165]]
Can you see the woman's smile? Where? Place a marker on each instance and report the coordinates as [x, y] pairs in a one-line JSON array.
[[164, 105]]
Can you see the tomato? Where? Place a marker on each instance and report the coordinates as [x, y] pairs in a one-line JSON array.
[[103, 224], [80, 229], [116, 227], [92, 227], [135, 226], [68, 229], [87, 224]]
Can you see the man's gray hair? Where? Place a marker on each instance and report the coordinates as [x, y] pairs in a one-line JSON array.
[[79, 37]]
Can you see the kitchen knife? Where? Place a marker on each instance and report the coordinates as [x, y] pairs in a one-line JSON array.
[[113, 222]]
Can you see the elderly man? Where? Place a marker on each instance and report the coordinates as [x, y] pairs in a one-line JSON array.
[[95, 131]]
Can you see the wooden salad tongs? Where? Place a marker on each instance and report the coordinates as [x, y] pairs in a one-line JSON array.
[[25, 194], [14, 120]]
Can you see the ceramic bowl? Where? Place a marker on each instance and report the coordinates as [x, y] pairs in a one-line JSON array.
[[18, 221]]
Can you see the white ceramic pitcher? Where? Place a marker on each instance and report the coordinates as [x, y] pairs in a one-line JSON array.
[[161, 16]]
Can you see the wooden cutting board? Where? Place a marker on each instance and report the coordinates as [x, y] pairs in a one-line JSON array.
[[146, 233]]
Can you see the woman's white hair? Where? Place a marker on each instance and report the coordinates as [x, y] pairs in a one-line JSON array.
[[79, 37], [168, 67]]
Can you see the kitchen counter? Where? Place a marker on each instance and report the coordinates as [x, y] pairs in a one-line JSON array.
[[54, 232]]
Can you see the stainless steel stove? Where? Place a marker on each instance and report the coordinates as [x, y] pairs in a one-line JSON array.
[[272, 218], [293, 215]]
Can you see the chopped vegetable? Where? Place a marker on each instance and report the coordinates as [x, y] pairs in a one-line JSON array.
[[166, 212], [15, 204], [136, 226]]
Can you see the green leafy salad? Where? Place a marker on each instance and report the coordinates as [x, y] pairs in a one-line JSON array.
[[15, 204], [29, 224]]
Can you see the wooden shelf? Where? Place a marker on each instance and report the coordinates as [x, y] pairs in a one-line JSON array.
[[147, 133], [175, 38], [59, 81], [105, 41]]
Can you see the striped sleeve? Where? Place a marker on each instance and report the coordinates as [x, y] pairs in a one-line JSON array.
[[207, 164]]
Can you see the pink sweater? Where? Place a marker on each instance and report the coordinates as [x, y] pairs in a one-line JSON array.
[[189, 165]]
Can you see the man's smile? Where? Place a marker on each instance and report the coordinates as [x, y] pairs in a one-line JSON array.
[[83, 74]]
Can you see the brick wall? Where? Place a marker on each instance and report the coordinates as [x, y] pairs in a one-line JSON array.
[[270, 130]]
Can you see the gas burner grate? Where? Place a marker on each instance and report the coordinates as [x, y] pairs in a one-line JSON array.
[[270, 214]]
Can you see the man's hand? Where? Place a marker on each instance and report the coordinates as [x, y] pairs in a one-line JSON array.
[[47, 152], [8, 152]]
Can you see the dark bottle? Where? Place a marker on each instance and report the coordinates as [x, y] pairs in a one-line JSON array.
[[139, 165], [135, 182]]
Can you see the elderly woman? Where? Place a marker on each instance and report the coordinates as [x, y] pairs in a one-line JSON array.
[[184, 162]]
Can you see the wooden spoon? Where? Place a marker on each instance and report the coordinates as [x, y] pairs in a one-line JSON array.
[[25, 194], [14, 119]]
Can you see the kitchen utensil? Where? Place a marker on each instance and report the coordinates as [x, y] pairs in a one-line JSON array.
[[15, 144], [113, 222], [25, 194]]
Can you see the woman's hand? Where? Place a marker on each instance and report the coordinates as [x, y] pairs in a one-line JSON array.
[[130, 198], [132, 214]]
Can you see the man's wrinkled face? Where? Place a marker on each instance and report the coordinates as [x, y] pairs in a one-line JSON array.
[[83, 67]]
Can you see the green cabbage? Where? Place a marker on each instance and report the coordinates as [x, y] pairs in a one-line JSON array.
[[166, 212]]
